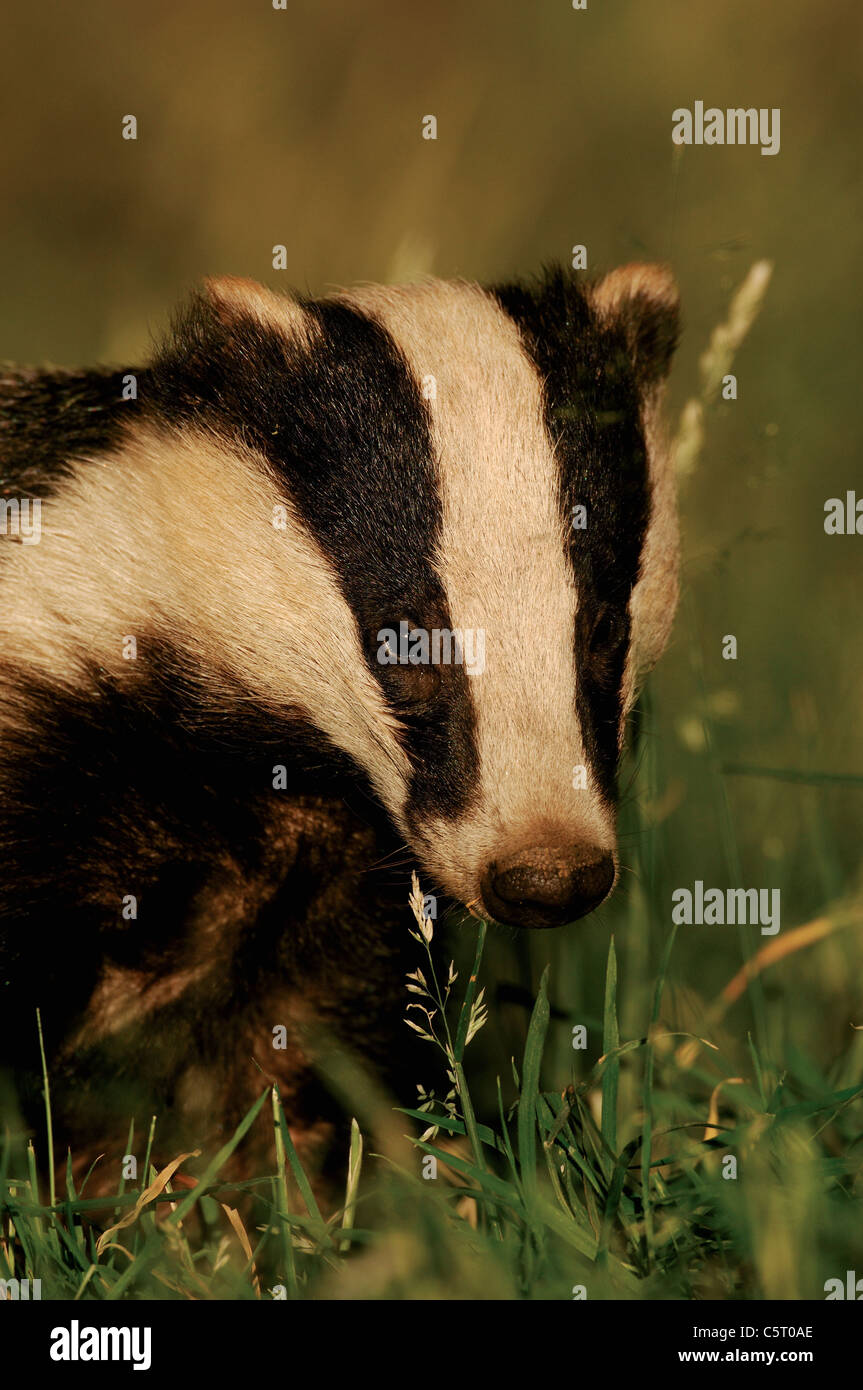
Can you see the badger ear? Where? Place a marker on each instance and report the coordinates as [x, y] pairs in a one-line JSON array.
[[643, 301], [230, 299], [229, 295]]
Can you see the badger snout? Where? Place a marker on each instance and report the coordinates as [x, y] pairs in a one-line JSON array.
[[542, 887]]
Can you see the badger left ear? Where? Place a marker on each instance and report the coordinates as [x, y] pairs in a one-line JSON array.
[[228, 299], [229, 295], [643, 301]]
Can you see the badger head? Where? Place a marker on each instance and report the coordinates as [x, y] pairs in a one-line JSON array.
[[484, 551], [442, 535], [483, 476]]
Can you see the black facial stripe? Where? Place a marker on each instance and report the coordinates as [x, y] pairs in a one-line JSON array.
[[344, 424], [48, 418], [592, 409]]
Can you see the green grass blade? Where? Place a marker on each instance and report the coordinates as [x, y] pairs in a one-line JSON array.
[[49, 1125], [34, 1185], [297, 1169], [355, 1163], [469, 996], [281, 1201], [610, 1040], [647, 1094], [530, 1072]]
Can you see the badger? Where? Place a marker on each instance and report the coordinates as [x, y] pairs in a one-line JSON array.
[[219, 758]]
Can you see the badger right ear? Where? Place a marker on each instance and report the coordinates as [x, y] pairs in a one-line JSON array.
[[643, 300]]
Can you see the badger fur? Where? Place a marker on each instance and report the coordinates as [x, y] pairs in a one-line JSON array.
[[293, 479]]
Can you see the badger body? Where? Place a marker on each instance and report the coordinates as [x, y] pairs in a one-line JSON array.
[[212, 759]]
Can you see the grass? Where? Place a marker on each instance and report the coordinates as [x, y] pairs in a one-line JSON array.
[[713, 1185], [706, 1141]]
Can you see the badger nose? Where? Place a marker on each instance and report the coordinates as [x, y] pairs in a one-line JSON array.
[[545, 888]]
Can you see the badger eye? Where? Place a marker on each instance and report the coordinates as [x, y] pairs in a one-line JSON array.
[[607, 635], [404, 657], [607, 632], [411, 686], [603, 647]]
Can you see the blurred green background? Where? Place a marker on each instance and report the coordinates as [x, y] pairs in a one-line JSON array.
[[303, 127]]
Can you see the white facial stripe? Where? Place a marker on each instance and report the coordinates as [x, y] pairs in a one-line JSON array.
[[503, 566], [176, 539]]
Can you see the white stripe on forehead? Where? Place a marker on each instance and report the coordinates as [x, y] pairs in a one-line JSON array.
[[501, 558]]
